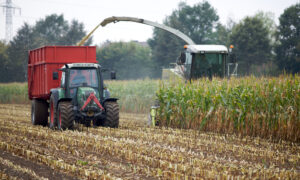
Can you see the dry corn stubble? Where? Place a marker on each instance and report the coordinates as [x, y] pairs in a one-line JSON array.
[[137, 151]]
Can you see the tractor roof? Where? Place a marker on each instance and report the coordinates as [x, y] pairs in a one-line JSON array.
[[82, 65], [206, 48]]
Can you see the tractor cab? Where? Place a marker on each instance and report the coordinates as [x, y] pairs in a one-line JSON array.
[[79, 76]]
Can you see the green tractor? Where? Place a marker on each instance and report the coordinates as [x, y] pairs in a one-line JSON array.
[[82, 98]]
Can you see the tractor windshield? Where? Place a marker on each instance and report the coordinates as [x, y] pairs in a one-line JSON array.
[[207, 65], [83, 77]]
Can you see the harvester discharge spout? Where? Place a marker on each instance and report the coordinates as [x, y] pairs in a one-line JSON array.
[[115, 19]]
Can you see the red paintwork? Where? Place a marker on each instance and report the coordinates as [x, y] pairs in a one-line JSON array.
[[52, 112], [42, 62], [94, 98]]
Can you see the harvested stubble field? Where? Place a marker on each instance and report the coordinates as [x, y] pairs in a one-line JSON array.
[[135, 151]]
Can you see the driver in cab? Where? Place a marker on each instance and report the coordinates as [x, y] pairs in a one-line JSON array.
[[78, 79]]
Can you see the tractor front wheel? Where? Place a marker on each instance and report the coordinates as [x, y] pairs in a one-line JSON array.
[[65, 116], [112, 114], [39, 112]]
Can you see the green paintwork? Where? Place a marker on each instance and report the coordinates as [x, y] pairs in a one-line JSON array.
[[83, 94], [61, 93]]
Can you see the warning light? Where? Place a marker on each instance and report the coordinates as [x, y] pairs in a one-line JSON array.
[[231, 46]]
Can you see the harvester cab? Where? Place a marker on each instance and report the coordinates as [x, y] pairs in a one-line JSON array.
[[197, 61], [82, 98]]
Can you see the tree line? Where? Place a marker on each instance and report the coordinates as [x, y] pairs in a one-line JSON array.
[[261, 47]]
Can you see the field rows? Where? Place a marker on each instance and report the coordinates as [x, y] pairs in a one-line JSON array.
[[135, 151]]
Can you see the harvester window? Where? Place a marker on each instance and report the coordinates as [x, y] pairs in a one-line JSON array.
[[209, 64]]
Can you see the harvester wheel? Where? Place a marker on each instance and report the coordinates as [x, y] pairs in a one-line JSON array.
[[112, 114], [39, 112], [65, 116], [53, 113]]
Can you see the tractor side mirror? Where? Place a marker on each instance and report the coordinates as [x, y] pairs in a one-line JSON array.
[[55, 75], [182, 58], [112, 75]]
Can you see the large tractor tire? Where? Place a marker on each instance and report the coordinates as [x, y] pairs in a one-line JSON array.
[[39, 112], [112, 114], [53, 113], [65, 116]]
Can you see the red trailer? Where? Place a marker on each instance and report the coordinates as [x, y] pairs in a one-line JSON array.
[[42, 62]]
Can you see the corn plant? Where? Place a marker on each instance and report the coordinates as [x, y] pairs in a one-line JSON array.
[[265, 107], [13, 93], [134, 95]]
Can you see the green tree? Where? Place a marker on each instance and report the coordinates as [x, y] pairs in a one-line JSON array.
[[270, 67], [74, 34], [252, 44], [222, 35], [130, 60], [288, 35], [199, 22], [53, 30], [18, 53], [3, 61], [269, 24]]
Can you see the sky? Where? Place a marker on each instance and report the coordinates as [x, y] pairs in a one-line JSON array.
[[92, 12]]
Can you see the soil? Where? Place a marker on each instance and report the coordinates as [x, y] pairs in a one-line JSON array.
[[39, 169]]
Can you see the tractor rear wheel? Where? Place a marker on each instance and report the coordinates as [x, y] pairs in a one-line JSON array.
[[39, 112], [53, 113], [65, 116], [112, 114]]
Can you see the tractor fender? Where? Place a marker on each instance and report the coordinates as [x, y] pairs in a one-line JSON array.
[[111, 100], [57, 97]]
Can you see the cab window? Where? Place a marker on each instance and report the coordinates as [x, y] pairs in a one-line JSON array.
[[62, 79], [83, 77]]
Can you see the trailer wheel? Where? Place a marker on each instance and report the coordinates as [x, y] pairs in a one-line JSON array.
[[65, 116], [112, 114], [39, 112], [53, 113]]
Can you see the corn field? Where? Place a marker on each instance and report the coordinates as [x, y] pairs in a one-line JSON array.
[[134, 96], [250, 106], [14, 93], [135, 151]]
